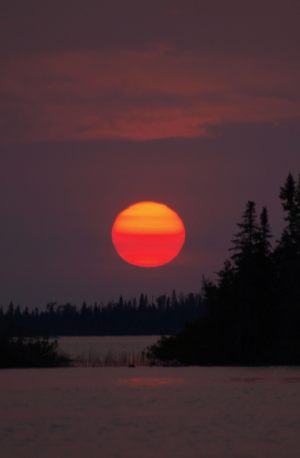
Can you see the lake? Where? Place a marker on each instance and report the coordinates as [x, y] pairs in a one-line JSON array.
[[150, 412], [107, 350]]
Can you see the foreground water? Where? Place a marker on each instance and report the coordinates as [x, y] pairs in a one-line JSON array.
[[150, 413]]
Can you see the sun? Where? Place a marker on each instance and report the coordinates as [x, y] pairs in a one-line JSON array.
[[148, 234]]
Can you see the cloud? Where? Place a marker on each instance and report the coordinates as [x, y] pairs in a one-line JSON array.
[[140, 95]]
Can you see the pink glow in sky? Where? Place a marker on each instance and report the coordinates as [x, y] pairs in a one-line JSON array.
[[188, 103]]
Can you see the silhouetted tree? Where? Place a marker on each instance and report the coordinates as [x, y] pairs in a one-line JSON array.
[[290, 199], [287, 266], [264, 235], [245, 241]]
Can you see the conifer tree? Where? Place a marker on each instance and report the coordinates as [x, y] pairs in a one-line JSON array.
[[245, 241], [287, 254], [297, 202], [264, 235], [290, 200]]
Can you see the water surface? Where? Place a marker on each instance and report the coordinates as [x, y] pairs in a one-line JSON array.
[[106, 350], [118, 412]]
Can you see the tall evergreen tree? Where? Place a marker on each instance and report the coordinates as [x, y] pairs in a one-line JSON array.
[[264, 235], [297, 202], [287, 254], [287, 263], [245, 241], [290, 200]]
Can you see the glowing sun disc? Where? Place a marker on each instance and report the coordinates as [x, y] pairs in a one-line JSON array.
[[148, 234]]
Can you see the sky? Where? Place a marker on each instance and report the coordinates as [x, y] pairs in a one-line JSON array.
[[102, 104]]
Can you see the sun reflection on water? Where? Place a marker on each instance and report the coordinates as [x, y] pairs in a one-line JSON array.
[[149, 381]]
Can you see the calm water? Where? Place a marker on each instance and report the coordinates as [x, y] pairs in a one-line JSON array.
[[117, 412], [110, 350]]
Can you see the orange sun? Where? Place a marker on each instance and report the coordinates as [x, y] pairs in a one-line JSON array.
[[148, 234]]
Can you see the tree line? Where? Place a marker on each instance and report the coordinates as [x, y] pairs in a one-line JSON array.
[[252, 310], [164, 315]]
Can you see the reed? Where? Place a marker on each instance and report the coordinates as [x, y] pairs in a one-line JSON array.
[[111, 359]]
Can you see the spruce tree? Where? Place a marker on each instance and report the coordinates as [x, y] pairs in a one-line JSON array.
[[290, 200], [251, 290], [297, 203], [288, 250], [245, 241], [264, 235], [287, 268]]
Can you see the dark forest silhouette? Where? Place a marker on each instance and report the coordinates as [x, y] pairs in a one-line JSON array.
[[24, 333], [164, 315], [253, 309]]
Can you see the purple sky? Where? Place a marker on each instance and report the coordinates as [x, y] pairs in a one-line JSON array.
[[192, 104]]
